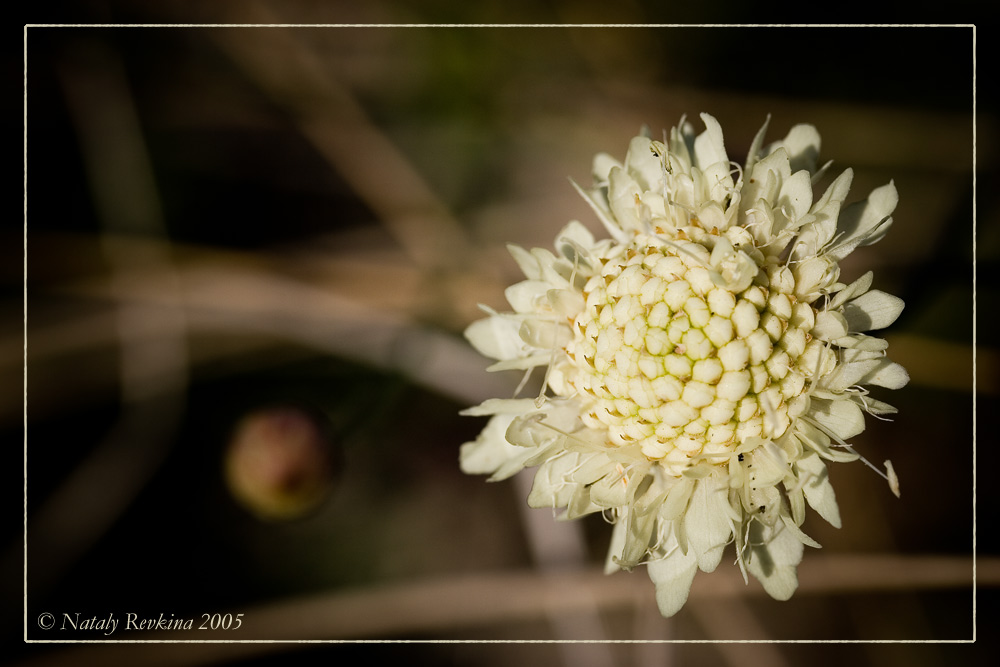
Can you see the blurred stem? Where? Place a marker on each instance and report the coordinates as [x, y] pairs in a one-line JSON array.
[[559, 546], [330, 117], [467, 602], [366, 319], [152, 369]]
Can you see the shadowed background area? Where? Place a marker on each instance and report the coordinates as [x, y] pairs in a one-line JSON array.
[[250, 255]]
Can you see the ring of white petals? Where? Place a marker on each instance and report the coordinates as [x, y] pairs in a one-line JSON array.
[[702, 364]]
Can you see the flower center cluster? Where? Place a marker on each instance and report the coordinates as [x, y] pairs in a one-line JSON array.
[[667, 357]]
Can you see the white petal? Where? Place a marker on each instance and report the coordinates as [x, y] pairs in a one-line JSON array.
[[525, 261], [643, 165], [523, 297], [545, 334], [501, 406], [818, 441], [829, 325], [578, 233], [848, 375], [842, 418], [802, 144], [857, 288], [708, 146], [881, 372], [812, 276], [622, 194], [862, 343], [890, 376], [580, 504], [672, 576], [681, 146], [593, 467], [610, 491], [893, 479], [864, 223], [796, 196], [566, 302], [603, 163], [564, 415], [522, 363], [770, 465], [874, 309], [598, 203], [550, 487], [677, 499], [615, 548], [490, 451], [798, 533], [796, 501], [828, 206], [720, 184], [734, 269], [573, 239], [873, 406], [824, 213], [496, 337], [554, 270], [816, 486], [639, 531], [529, 431], [775, 552], [758, 141], [776, 163], [849, 355], [707, 523]]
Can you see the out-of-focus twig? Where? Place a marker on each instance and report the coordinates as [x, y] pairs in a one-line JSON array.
[[153, 370], [461, 603], [718, 618], [329, 116], [360, 319], [460, 600], [559, 547]]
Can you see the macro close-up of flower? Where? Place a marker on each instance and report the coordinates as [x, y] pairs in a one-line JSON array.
[[703, 364], [498, 335]]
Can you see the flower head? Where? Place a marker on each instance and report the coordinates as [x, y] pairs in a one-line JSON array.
[[702, 364]]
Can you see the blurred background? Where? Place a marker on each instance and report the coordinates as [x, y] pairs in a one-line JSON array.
[[250, 255]]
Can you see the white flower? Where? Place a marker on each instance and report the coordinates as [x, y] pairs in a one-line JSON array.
[[702, 364]]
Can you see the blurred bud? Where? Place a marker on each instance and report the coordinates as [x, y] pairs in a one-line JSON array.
[[280, 463]]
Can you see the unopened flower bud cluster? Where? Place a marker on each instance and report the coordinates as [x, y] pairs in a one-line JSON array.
[[667, 357]]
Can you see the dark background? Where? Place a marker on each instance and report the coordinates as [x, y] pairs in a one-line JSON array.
[[225, 220]]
